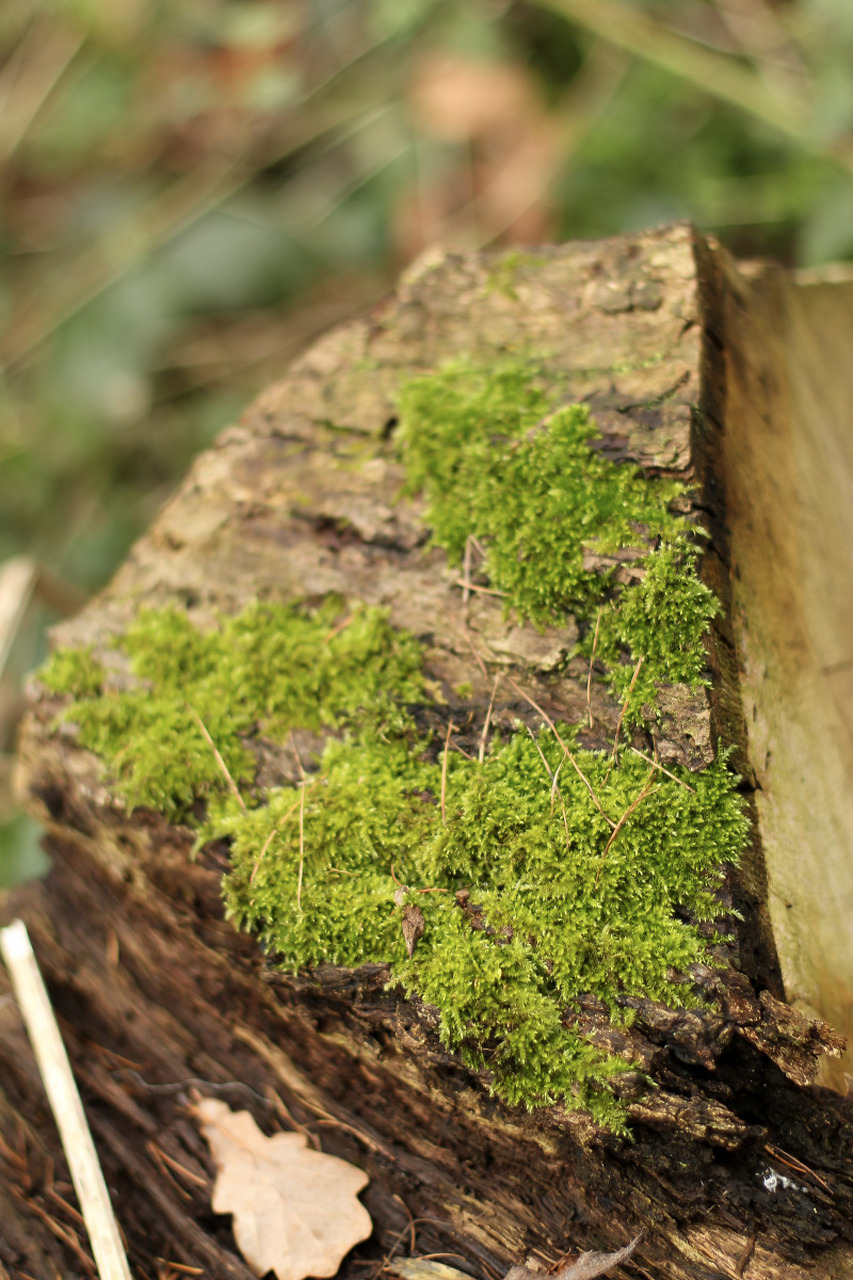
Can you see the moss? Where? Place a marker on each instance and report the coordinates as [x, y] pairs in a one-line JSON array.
[[498, 462], [525, 906], [270, 669], [533, 893], [504, 272], [75, 671], [664, 620]]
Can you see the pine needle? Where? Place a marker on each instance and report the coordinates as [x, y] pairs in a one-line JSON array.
[[217, 757], [657, 765], [647, 790], [625, 704], [572, 761], [589, 677], [482, 752], [553, 777], [444, 774]]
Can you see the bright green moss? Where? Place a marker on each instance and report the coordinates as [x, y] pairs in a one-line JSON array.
[[663, 620], [270, 669], [551, 912], [533, 893], [499, 464], [75, 671]]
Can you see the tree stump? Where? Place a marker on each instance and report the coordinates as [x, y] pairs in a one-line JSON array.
[[737, 1163]]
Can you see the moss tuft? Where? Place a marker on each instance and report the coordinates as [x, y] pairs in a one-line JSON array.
[[499, 463], [664, 620], [75, 671], [268, 670], [526, 907]]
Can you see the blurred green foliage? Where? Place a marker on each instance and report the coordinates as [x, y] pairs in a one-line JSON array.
[[190, 191]]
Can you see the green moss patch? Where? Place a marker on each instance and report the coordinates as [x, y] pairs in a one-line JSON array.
[[500, 890], [268, 670], [499, 463], [529, 899]]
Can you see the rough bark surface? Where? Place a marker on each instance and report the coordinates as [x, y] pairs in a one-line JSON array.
[[739, 1165]]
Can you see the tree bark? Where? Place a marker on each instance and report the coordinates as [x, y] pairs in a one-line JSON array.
[[739, 1163]]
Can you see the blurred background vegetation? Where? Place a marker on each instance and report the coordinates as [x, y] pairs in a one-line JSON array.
[[191, 190]]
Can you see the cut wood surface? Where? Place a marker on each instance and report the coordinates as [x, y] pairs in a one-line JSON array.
[[739, 1164]]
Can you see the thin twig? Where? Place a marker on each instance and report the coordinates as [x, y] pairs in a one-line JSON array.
[[589, 677], [721, 75], [647, 790], [477, 657], [792, 1162], [482, 752], [466, 571], [656, 765], [301, 848], [267, 843], [301, 824], [554, 787], [444, 774], [625, 704], [472, 586], [572, 761], [279, 826], [541, 754], [553, 777], [217, 757]]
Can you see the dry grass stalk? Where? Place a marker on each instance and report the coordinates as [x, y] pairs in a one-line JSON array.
[[217, 757], [572, 761]]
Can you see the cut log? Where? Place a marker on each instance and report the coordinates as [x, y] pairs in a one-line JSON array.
[[738, 1163]]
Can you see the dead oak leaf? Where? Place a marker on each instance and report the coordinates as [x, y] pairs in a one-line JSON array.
[[587, 1266], [295, 1210]]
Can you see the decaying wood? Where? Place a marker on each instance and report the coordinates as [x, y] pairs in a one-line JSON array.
[[739, 1164]]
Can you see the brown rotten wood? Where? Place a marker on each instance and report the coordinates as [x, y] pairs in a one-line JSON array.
[[740, 1165]]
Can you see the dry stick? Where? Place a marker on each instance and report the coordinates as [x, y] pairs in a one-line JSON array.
[[444, 773], [647, 790], [589, 677], [466, 571], [553, 777], [656, 765], [572, 761], [67, 1108], [482, 752], [218, 758]]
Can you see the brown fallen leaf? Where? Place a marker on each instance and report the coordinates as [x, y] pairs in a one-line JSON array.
[[295, 1210], [587, 1266], [413, 927]]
